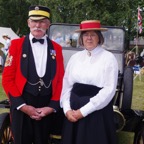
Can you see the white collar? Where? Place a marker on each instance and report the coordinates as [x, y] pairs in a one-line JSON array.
[[31, 37], [94, 51]]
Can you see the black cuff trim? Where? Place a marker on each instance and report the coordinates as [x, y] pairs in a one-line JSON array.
[[16, 101], [55, 105]]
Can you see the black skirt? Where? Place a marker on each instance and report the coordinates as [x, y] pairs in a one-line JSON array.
[[96, 128]]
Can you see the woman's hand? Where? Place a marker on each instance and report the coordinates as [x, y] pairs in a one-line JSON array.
[[74, 115], [77, 114], [70, 116]]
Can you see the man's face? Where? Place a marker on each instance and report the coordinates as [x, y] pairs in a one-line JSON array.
[[38, 27]]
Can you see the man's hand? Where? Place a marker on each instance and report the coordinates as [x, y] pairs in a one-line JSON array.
[[45, 111], [31, 111], [36, 113]]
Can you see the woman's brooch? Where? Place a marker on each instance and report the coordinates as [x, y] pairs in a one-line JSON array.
[[89, 53], [53, 53]]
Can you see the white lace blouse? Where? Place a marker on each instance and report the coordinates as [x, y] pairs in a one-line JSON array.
[[99, 69]]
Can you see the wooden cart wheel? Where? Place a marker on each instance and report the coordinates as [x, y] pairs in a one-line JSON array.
[[5, 131]]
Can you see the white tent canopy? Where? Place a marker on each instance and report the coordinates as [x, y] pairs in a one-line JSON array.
[[7, 31]]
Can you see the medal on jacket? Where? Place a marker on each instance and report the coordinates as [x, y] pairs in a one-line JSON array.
[[53, 53]]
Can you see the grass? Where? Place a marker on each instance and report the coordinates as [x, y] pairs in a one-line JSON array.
[[2, 97], [2, 93], [138, 94], [137, 103]]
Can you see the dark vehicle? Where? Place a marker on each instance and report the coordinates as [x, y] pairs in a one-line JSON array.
[[126, 119]]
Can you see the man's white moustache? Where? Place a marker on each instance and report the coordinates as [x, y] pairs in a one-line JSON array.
[[38, 29]]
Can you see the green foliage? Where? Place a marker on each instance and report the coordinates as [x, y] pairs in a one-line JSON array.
[[123, 13], [13, 15]]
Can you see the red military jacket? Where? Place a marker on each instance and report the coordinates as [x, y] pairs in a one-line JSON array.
[[13, 80]]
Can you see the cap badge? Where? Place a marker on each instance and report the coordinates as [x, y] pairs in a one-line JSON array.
[[36, 8]]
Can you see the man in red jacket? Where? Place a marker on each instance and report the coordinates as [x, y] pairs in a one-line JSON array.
[[32, 79]]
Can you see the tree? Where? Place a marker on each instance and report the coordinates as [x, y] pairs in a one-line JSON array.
[[14, 13]]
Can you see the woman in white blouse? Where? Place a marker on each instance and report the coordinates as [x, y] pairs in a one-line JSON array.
[[89, 86]]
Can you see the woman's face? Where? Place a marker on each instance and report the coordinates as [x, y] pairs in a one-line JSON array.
[[90, 40]]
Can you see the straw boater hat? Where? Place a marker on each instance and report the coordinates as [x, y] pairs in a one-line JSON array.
[[5, 35], [38, 12], [90, 25]]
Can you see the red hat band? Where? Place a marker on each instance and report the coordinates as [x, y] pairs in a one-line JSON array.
[[89, 25]]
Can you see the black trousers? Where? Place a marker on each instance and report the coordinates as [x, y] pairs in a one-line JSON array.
[[36, 132]]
